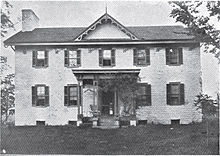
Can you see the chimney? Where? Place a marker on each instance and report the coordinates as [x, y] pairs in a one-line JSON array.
[[29, 20]]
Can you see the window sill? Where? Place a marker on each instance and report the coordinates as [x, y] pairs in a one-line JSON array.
[[72, 67], [175, 105], [142, 65], [107, 66], [40, 106], [174, 64], [72, 106], [36, 67]]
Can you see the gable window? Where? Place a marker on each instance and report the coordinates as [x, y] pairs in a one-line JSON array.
[[40, 58], [175, 93], [72, 58], [144, 95], [174, 56], [107, 57], [70, 95], [40, 95], [141, 57]]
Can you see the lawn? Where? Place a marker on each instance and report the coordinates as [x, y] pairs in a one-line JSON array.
[[143, 139]]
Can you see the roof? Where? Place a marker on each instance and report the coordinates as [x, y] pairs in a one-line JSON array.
[[71, 35], [65, 35]]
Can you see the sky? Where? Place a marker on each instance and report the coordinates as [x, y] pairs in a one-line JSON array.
[[128, 13]]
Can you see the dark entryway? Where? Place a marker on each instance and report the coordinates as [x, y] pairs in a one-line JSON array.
[[107, 106]]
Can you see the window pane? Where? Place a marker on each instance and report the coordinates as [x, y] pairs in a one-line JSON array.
[[141, 57], [142, 90], [174, 100], [73, 98], [174, 89], [107, 54], [40, 91], [73, 102], [72, 54], [40, 55], [106, 62], [72, 62], [73, 91], [40, 62], [141, 54], [40, 102], [174, 57]]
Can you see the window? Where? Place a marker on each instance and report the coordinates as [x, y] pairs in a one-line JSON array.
[[40, 123], [144, 95], [40, 95], [175, 93], [174, 56], [70, 95], [141, 56], [72, 58], [40, 58], [175, 122], [87, 82], [107, 57]]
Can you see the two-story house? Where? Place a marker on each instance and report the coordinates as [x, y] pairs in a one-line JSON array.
[[58, 71]]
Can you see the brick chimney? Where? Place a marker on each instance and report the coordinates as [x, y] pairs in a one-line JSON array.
[[30, 21]]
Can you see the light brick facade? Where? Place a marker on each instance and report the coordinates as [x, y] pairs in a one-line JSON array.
[[56, 76]]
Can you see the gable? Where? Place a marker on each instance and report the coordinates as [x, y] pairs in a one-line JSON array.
[[107, 31], [106, 27]]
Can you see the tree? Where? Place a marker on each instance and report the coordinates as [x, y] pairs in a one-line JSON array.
[[6, 22], [126, 85], [7, 95], [209, 108], [199, 22]]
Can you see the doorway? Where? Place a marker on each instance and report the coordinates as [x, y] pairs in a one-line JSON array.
[[107, 106]]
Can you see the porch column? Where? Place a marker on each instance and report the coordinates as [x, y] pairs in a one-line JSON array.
[[116, 103], [79, 93]]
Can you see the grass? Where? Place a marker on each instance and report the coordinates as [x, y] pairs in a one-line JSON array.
[[147, 139]]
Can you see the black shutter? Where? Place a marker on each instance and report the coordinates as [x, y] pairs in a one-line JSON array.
[[168, 94], [34, 95], [46, 58], [113, 57], [135, 56], [66, 61], [47, 96], [167, 56], [182, 95], [180, 50], [148, 91], [147, 51], [100, 57], [66, 101], [34, 58], [78, 58]]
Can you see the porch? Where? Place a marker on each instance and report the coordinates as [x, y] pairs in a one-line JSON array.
[[92, 98]]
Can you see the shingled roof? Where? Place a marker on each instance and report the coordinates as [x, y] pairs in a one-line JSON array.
[[66, 35]]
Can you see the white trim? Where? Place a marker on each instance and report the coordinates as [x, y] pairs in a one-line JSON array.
[[104, 43]]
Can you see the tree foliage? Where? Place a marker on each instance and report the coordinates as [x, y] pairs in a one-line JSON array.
[[198, 17], [126, 85], [6, 22], [208, 106], [7, 94]]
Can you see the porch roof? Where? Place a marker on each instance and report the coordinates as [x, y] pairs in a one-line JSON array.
[[105, 71]]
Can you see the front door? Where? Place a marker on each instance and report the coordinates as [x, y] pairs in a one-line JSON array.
[[107, 107]]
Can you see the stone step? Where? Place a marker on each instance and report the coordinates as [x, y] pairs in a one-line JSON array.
[[115, 123]]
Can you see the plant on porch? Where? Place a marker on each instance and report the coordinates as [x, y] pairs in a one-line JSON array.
[[126, 85]]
